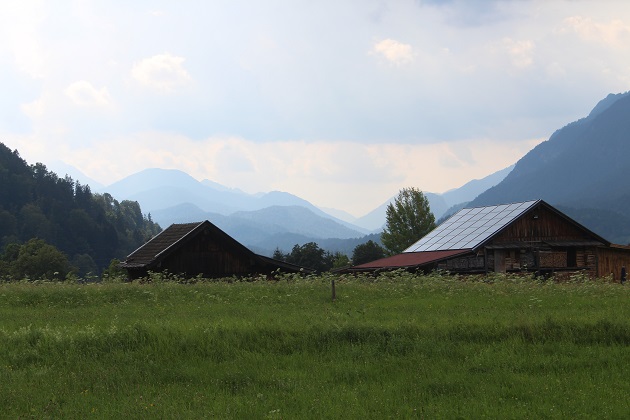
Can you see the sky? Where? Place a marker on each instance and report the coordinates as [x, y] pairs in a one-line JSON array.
[[341, 102]]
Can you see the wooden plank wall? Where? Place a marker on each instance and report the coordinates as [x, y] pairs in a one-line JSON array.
[[210, 257], [610, 260], [548, 226]]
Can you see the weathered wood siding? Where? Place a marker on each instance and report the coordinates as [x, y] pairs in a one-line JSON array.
[[534, 230], [208, 256], [540, 224], [612, 259]]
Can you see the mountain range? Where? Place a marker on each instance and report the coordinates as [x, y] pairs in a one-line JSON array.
[[580, 169], [264, 221]]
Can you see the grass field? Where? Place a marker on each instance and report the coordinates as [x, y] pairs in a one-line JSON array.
[[400, 346]]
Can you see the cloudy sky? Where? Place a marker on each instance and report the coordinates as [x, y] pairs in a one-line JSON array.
[[342, 102]]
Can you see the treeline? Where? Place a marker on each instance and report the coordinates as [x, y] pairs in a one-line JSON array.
[[408, 218], [89, 229], [312, 256]]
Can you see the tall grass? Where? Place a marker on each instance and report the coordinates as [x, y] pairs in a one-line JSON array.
[[399, 346]]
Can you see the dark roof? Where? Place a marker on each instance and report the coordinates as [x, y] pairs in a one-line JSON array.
[[408, 260], [177, 234], [159, 244]]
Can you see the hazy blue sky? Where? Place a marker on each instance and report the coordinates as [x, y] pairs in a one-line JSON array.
[[342, 102]]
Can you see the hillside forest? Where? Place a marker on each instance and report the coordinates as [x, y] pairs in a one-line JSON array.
[[46, 217]]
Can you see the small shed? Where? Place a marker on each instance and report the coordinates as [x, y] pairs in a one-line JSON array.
[[517, 237], [191, 249]]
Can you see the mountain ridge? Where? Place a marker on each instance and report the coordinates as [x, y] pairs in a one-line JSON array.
[[173, 196], [582, 166], [440, 204]]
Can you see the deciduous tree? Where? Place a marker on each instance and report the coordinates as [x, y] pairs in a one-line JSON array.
[[408, 219], [340, 260], [310, 255], [39, 260], [366, 252]]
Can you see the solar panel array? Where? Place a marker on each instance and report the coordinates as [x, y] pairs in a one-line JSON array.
[[468, 228]]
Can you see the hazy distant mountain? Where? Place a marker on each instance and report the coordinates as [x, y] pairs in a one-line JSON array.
[[375, 220], [262, 221], [183, 213], [473, 188], [163, 191], [157, 189], [583, 166], [256, 220], [339, 214], [62, 169], [461, 197], [269, 221], [220, 187], [299, 220], [439, 203], [268, 228]]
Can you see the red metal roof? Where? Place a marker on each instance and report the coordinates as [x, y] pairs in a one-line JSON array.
[[410, 259]]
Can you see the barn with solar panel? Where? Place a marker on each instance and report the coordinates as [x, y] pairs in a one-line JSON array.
[[529, 236]]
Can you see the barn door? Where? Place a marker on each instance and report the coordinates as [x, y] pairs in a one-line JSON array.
[[499, 261]]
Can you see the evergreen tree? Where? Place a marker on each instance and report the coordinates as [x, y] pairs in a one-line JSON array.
[[279, 255], [88, 228]]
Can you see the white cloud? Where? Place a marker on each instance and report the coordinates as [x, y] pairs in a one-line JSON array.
[[82, 93], [163, 72], [520, 52], [555, 70], [20, 33], [34, 109], [48, 119], [613, 34], [394, 51]]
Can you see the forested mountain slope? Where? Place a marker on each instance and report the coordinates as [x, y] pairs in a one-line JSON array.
[[91, 229], [584, 166]]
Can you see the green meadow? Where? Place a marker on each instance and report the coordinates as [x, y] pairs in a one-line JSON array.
[[396, 346]]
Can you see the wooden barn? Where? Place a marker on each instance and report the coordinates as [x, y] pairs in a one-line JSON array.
[[530, 236], [192, 249]]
